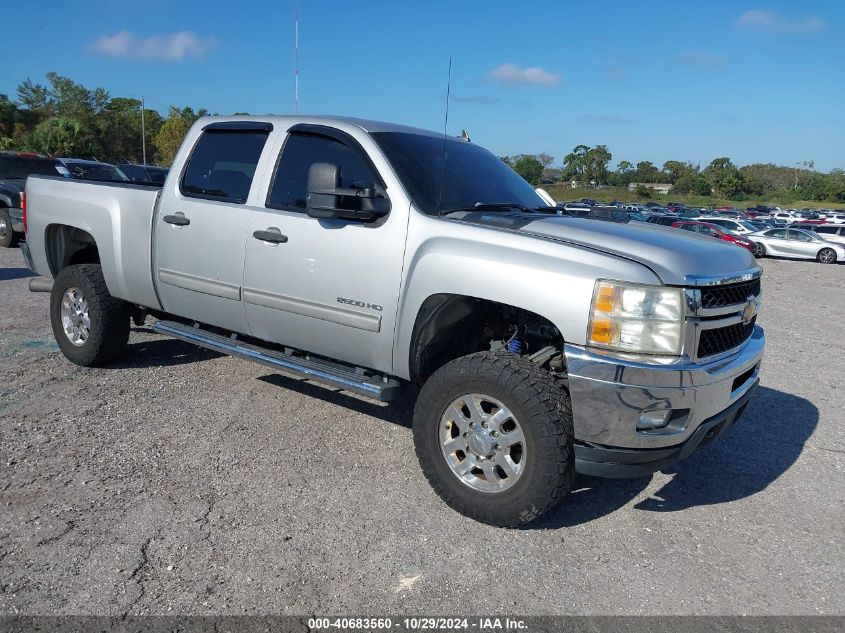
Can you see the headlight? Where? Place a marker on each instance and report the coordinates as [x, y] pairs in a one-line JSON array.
[[639, 319]]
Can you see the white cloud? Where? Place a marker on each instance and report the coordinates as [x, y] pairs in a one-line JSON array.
[[173, 47], [774, 22], [512, 75]]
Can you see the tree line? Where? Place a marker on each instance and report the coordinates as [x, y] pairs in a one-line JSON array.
[[64, 118], [591, 166]]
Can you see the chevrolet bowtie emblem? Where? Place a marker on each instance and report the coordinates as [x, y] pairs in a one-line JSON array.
[[750, 311]]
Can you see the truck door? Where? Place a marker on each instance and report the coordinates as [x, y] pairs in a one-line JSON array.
[[201, 225], [329, 287]]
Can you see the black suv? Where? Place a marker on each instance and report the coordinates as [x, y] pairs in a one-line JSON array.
[[15, 167]]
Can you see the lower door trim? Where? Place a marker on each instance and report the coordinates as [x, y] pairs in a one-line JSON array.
[[322, 311]]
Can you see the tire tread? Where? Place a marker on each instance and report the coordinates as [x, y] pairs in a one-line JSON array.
[[549, 408]]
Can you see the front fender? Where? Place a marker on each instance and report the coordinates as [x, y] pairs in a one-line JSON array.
[[551, 279]]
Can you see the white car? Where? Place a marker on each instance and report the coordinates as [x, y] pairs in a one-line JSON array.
[[797, 243], [737, 227], [831, 232], [835, 218]]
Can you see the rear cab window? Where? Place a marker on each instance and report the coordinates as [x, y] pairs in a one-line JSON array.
[[223, 162]]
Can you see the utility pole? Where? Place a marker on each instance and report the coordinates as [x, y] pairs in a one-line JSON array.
[[143, 134]]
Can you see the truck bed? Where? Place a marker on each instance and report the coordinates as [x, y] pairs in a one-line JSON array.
[[119, 216]]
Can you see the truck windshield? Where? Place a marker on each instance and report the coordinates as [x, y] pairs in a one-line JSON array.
[[470, 175]]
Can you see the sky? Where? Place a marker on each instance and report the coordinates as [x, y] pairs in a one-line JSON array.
[[658, 81]]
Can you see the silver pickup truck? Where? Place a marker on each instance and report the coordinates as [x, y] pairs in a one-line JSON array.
[[370, 256]]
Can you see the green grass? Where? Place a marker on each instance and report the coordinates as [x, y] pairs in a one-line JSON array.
[[563, 193]]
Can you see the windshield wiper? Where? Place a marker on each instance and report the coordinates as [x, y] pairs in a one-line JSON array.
[[498, 206]]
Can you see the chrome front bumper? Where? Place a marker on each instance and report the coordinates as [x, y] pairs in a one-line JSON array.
[[610, 392], [16, 215]]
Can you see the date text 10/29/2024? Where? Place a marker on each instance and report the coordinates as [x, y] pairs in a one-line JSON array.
[[417, 624]]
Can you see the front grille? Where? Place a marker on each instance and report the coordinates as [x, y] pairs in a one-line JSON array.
[[728, 295], [722, 339]]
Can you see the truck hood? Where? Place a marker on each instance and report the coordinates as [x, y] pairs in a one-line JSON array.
[[672, 254]]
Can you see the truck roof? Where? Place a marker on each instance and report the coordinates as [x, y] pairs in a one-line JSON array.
[[284, 121]]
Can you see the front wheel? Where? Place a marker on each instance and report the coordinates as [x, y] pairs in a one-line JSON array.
[[493, 435], [827, 256], [759, 250], [90, 326]]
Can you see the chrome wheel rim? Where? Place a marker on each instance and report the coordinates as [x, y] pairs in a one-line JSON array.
[[758, 250], [827, 256], [482, 443], [75, 320], [3, 228]]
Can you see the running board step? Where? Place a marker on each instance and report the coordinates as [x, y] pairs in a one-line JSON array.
[[384, 389]]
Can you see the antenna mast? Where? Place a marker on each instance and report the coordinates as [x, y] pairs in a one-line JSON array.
[[296, 61], [445, 124]]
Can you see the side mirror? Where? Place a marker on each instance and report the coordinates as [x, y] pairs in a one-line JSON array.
[[328, 200]]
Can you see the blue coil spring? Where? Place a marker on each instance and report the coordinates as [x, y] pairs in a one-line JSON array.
[[515, 345]]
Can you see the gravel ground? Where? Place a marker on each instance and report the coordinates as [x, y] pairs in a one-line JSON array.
[[180, 481]]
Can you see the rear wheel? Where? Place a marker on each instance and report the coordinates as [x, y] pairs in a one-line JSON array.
[[759, 250], [493, 434], [827, 256], [90, 326], [7, 235]]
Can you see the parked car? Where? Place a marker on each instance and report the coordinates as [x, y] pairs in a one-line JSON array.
[[762, 223], [703, 228], [144, 173], [636, 216], [544, 345], [93, 170], [589, 202], [797, 243], [830, 232], [15, 168], [738, 227], [663, 220], [608, 214]]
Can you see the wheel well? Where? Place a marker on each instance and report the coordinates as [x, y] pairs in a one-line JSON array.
[[68, 245], [449, 326]]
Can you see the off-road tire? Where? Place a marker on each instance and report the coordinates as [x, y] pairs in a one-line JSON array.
[[8, 237], [544, 412], [827, 256], [109, 331]]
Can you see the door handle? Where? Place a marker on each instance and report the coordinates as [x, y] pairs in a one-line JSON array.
[[178, 219], [272, 235]]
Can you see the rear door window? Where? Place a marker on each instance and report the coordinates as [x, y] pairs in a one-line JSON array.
[[222, 165]]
